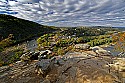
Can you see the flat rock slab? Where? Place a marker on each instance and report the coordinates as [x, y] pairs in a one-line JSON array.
[[78, 67]]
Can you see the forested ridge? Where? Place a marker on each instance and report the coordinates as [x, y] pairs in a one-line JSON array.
[[20, 28]]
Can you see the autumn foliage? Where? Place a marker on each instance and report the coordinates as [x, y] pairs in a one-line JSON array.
[[119, 41]]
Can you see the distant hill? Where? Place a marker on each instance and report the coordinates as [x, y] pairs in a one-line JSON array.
[[120, 28], [20, 28]]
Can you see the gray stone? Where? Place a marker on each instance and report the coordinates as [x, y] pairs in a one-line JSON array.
[[49, 52], [45, 81], [44, 66], [29, 56], [43, 53], [82, 46], [25, 57], [119, 64], [100, 51]]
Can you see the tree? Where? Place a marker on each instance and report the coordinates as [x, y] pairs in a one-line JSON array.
[[119, 41], [7, 42], [44, 40], [1, 37]]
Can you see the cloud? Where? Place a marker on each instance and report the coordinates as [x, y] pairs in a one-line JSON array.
[[28, 1], [67, 12]]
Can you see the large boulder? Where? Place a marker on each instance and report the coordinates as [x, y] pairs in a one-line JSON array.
[[35, 55], [100, 51], [44, 54], [82, 46], [29, 56], [44, 66], [82, 71], [119, 64], [25, 56]]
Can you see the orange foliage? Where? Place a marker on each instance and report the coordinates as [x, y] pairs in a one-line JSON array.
[[119, 40]]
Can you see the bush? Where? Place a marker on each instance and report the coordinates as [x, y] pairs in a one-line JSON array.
[[1, 49], [15, 57], [1, 62], [44, 40], [60, 51], [119, 41], [97, 42], [6, 42]]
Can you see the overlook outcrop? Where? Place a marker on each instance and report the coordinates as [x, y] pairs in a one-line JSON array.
[[73, 67], [76, 67]]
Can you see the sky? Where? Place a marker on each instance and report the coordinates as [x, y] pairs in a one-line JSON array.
[[67, 12]]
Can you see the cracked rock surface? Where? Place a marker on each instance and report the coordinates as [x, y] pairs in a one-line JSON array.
[[74, 67]]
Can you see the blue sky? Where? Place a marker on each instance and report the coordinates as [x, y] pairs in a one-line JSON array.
[[67, 12]]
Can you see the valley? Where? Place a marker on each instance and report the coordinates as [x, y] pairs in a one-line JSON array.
[[34, 53]]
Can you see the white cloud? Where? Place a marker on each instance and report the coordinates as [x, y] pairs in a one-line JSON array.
[[68, 12]]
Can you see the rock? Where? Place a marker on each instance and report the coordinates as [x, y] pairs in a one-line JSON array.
[[45, 81], [78, 55], [29, 56], [103, 52], [42, 57], [82, 46], [119, 64], [4, 68], [60, 62], [44, 66], [122, 54], [49, 52], [34, 56], [96, 48], [25, 57], [43, 53], [100, 51], [77, 68], [68, 64], [18, 62]]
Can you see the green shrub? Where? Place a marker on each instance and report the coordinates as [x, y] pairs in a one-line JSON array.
[[97, 42], [1, 62], [7, 41], [1, 49], [60, 51], [15, 57]]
